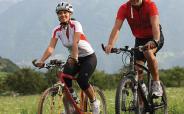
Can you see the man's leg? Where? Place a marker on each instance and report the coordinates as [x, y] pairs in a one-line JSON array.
[[153, 67], [139, 70], [152, 63]]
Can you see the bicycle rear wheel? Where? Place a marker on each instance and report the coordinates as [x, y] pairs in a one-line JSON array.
[[51, 102], [127, 100], [100, 96], [160, 103]]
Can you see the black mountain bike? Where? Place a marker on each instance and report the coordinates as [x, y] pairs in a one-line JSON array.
[[130, 95]]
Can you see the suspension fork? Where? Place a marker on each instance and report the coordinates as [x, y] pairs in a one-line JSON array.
[[135, 88]]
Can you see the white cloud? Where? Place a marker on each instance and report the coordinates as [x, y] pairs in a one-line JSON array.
[[165, 55], [169, 59]]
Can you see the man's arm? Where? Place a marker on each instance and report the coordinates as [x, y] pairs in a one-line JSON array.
[[114, 35], [155, 27]]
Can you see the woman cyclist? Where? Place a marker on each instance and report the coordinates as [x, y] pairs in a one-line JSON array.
[[82, 59]]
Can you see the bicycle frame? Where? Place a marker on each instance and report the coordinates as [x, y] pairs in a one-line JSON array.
[[145, 99], [132, 70], [61, 77], [138, 87]]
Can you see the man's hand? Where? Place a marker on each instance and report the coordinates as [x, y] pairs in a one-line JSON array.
[[108, 48], [151, 45]]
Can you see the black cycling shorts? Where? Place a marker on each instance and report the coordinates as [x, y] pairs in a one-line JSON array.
[[142, 41], [84, 69]]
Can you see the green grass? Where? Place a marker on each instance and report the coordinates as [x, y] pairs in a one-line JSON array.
[[19, 105], [176, 100], [28, 104]]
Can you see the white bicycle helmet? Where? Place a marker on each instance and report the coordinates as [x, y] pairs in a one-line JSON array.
[[64, 6]]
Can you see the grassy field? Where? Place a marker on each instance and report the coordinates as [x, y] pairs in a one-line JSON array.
[[28, 104]]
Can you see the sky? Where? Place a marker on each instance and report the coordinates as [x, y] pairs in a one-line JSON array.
[[170, 17]]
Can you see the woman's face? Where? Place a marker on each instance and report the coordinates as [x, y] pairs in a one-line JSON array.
[[63, 16]]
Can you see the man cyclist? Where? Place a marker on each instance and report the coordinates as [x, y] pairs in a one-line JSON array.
[[143, 19], [82, 59]]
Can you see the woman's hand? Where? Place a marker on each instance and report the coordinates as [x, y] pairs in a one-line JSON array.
[[72, 61], [38, 64]]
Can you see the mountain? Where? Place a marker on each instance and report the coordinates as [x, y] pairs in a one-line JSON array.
[[26, 28], [7, 65]]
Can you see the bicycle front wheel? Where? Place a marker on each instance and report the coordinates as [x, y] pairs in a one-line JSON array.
[[100, 96], [127, 100], [51, 102]]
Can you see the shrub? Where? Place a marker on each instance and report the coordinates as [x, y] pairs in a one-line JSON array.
[[26, 81]]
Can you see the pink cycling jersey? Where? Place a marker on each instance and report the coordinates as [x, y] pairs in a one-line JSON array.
[[140, 23], [66, 35]]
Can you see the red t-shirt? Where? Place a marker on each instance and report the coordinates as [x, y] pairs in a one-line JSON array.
[[140, 24]]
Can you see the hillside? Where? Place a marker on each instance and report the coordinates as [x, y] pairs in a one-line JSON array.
[[27, 25], [7, 65]]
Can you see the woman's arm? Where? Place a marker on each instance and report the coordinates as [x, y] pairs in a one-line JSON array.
[[74, 53], [48, 52]]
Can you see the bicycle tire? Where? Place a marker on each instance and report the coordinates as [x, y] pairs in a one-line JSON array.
[[161, 101], [51, 102], [124, 102], [100, 96]]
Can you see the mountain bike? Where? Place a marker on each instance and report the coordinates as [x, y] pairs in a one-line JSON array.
[[59, 100], [131, 97]]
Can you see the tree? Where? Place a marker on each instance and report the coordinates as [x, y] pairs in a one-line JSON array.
[[177, 74], [26, 81]]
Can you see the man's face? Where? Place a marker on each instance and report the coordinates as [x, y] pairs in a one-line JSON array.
[[136, 2]]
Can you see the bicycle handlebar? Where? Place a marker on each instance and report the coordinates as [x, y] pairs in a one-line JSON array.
[[52, 63], [125, 49]]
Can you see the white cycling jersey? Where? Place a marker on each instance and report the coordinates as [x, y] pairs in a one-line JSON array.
[[66, 35]]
